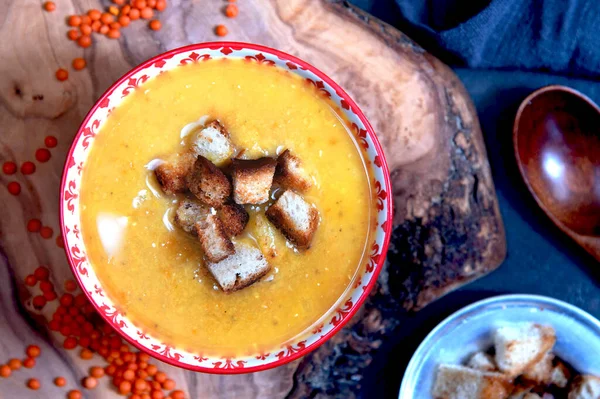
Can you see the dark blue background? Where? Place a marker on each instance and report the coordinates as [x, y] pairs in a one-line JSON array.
[[547, 46]]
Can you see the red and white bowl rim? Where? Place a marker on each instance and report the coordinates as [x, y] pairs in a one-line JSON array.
[[70, 209]]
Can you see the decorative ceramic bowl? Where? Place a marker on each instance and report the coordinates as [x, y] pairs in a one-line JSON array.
[[470, 330], [330, 323]]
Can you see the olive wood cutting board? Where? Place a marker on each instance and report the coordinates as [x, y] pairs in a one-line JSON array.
[[448, 229]]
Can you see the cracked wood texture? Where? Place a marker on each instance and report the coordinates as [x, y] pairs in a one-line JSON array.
[[448, 229]]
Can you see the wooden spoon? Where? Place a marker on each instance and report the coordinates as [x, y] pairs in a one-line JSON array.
[[556, 138]]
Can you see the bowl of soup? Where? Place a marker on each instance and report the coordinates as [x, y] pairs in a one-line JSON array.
[[179, 293]]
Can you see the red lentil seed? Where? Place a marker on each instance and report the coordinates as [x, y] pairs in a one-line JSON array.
[[39, 302], [46, 286], [50, 295], [59, 241], [30, 280], [9, 168], [33, 383], [60, 381], [34, 225], [29, 363], [42, 273], [27, 168], [14, 364], [42, 155], [50, 141], [46, 232], [14, 188], [5, 371]]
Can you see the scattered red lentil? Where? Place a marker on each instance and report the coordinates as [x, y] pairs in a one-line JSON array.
[[85, 41], [155, 24], [168, 384], [94, 14], [42, 273], [50, 141], [113, 10], [46, 232], [60, 381], [119, 2], [104, 29], [74, 20], [42, 154], [114, 34], [62, 74], [73, 34], [59, 241], [231, 11], [30, 280], [50, 295], [97, 372], [221, 30], [86, 354], [85, 29], [74, 394], [139, 4], [161, 5], [70, 342], [14, 364], [85, 19], [27, 168], [124, 387], [70, 285], [146, 13], [89, 382], [39, 301], [29, 363], [14, 188], [177, 394], [5, 371], [49, 6], [134, 14], [34, 225], [79, 64], [33, 383], [46, 286], [9, 168]]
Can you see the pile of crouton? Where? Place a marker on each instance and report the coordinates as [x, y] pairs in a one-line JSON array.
[[520, 365], [215, 189]]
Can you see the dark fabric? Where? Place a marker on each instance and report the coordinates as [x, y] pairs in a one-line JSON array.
[[560, 36]]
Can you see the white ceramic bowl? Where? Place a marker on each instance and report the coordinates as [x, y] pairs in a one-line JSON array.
[[470, 330]]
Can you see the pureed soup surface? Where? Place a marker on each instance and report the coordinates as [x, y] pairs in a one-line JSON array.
[[155, 273]]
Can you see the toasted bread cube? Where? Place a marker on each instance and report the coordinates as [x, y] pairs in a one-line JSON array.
[[213, 239], [519, 346], [540, 372], [482, 361], [188, 214], [585, 387], [171, 174], [245, 267], [290, 173], [295, 218], [213, 143], [208, 183], [252, 180], [458, 382], [561, 375], [234, 218]]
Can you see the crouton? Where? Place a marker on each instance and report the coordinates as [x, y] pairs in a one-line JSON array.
[[188, 213], [585, 387], [520, 391], [213, 143], [267, 237], [482, 361], [290, 173], [252, 180], [295, 218], [561, 375], [459, 382], [540, 372], [234, 218], [213, 239], [245, 267], [171, 174], [208, 183], [519, 346]]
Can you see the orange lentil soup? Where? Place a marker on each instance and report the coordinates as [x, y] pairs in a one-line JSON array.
[[156, 273]]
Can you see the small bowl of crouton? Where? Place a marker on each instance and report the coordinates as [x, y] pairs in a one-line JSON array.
[[508, 347], [226, 207]]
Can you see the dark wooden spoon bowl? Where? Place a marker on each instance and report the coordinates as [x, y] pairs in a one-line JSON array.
[[556, 138]]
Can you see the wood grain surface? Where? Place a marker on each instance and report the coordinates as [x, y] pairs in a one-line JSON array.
[[448, 228]]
